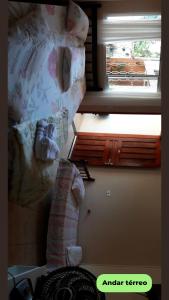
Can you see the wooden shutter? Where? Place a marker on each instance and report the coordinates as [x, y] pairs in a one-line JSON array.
[[117, 150], [138, 151], [92, 148]]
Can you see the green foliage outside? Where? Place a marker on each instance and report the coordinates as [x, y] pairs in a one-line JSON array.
[[142, 49]]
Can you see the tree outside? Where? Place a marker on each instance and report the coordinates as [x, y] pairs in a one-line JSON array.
[[146, 49]]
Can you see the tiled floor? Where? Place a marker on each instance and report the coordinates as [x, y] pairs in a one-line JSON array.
[[26, 235], [133, 296]]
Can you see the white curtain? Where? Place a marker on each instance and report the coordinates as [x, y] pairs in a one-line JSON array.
[[120, 31]]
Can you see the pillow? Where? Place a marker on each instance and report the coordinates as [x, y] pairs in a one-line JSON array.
[[66, 68], [34, 70], [77, 64], [78, 188], [55, 17], [73, 66], [59, 67], [32, 178], [77, 21], [70, 40]]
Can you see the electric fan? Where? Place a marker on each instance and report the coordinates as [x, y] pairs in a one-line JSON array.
[[68, 283]]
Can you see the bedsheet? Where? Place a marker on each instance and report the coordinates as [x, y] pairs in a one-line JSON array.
[[32, 178]]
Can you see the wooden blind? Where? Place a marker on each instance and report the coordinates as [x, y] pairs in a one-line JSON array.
[[117, 150]]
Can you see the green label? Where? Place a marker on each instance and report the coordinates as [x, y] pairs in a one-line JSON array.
[[124, 283]]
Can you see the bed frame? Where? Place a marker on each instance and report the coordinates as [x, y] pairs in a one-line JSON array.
[[91, 9]]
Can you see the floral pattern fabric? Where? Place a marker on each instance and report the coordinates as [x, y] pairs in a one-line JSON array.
[[77, 21], [54, 17], [32, 178], [39, 84], [17, 10]]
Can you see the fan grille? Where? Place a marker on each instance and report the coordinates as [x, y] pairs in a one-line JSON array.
[[68, 283]]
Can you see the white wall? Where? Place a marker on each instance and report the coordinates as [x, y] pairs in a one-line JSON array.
[[116, 123], [115, 103], [125, 228]]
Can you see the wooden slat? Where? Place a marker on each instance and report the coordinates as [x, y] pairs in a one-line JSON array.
[[139, 144], [82, 154], [90, 142], [90, 137], [89, 57], [87, 153], [88, 39], [121, 136], [137, 150], [138, 155], [88, 147], [89, 76], [88, 47], [139, 139]]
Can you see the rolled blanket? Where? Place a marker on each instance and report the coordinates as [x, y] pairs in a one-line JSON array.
[[45, 145], [63, 217]]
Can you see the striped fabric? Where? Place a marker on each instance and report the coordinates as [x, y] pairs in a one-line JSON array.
[[63, 217]]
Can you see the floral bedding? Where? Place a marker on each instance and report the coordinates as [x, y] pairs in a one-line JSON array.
[[77, 21], [42, 78], [32, 178], [46, 76]]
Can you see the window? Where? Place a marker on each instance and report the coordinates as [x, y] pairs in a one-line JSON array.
[[133, 64], [133, 49]]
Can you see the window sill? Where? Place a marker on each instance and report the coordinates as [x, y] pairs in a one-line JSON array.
[[114, 102]]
